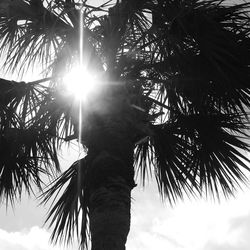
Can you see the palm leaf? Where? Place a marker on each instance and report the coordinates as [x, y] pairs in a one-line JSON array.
[[197, 152], [31, 34], [69, 213], [165, 154], [198, 51], [27, 151], [218, 157], [33, 123], [25, 155]]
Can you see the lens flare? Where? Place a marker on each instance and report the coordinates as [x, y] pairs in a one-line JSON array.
[[80, 83]]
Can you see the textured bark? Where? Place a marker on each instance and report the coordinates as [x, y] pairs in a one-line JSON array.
[[110, 140], [109, 203]]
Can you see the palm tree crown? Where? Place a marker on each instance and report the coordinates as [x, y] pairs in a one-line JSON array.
[[176, 90]]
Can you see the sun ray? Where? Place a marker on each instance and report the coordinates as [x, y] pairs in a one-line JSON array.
[[81, 63]]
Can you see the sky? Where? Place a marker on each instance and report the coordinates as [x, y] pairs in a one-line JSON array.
[[189, 225]]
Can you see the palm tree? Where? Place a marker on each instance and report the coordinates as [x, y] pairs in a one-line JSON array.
[[173, 103]]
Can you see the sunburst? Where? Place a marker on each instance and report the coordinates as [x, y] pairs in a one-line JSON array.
[[80, 83]]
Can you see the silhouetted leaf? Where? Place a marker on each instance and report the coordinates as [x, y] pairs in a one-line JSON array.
[[69, 213]]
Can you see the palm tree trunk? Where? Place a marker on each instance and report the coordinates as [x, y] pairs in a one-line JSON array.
[[109, 202], [111, 174]]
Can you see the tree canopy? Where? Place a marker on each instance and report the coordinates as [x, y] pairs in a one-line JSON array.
[[175, 72]]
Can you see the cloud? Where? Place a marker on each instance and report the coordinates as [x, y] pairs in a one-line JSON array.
[[190, 225], [237, 236], [35, 238]]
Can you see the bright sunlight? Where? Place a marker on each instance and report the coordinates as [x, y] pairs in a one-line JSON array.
[[80, 83]]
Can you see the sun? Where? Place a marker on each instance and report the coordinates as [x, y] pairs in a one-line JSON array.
[[80, 83]]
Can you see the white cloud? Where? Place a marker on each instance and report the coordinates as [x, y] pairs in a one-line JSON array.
[[190, 225], [33, 239]]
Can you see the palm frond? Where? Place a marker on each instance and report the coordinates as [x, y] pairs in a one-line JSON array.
[[26, 153], [33, 123], [197, 153], [31, 34], [38, 106], [69, 213], [165, 154], [197, 51], [21, 98], [219, 144]]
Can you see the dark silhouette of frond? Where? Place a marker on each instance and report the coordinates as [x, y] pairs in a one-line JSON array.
[[69, 213]]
